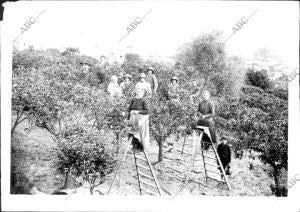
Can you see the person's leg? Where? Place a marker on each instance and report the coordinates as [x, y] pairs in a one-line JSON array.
[[212, 132]]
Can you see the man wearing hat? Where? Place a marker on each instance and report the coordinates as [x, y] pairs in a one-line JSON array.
[[173, 89], [143, 85], [151, 79]]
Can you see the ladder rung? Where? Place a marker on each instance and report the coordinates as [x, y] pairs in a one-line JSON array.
[[211, 164], [216, 179], [209, 157], [140, 158], [183, 151], [144, 189], [206, 142], [209, 150], [213, 172], [149, 184], [145, 175], [186, 153], [189, 139], [144, 167]]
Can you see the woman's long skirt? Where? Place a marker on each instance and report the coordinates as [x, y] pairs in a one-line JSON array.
[[140, 128]]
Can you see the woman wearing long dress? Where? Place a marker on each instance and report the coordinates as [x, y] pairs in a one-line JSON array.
[[139, 118], [113, 88], [142, 84], [206, 112]]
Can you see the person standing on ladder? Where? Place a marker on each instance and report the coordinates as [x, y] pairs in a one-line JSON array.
[[206, 113], [139, 120]]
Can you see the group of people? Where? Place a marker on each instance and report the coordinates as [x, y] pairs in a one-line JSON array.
[[139, 110], [148, 83]]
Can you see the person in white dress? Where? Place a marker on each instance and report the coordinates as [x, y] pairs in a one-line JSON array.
[[143, 85], [113, 88]]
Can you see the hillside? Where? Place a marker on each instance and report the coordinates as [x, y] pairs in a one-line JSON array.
[[32, 156]]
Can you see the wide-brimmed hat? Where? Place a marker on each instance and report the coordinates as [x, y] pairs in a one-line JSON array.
[[128, 76], [114, 78], [143, 75], [174, 78], [150, 68]]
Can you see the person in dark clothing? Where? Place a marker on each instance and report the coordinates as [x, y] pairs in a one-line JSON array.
[[206, 111], [224, 153], [139, 120]]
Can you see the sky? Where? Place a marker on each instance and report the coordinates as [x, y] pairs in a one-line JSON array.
[[96, 27]]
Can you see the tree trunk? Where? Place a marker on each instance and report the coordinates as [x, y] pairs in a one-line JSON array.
[[14, 127], [16, 123], [69, 181], [160, 149], [276, 177], [117, 136]]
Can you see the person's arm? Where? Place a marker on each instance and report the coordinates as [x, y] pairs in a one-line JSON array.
[[155, 84], [200, 115], [149, 88], [145, 109], [229, 153], [129, 109]]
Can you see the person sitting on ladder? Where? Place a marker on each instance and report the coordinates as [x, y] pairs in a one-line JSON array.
[[206, 112], [139, 120], [224, 153]]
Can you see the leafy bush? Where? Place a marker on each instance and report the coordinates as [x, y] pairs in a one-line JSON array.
[[86, 154], [260, 122], [258, 78]]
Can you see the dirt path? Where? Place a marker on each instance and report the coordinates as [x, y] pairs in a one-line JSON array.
[[172, 171]]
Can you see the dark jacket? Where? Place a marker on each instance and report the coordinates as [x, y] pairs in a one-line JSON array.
[[140, 105], [224, 153]]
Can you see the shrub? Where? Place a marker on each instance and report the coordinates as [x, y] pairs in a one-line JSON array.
[[88, 155], [258, 78], [260, 122]]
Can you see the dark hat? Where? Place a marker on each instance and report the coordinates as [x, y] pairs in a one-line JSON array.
[[128, 76], [151, 69]]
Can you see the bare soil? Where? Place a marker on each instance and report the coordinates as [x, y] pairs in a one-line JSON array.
[[31, 154]]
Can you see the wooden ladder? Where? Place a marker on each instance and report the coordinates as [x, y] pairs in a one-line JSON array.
[[209, 161], [145, 175]]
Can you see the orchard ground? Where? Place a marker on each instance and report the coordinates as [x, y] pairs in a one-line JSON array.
[[32, 156]]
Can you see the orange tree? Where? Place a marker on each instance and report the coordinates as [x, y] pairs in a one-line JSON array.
[[60, 99], [259, 121], [166, 117]]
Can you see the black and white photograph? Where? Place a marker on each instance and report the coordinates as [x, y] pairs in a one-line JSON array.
[[150, 105]]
